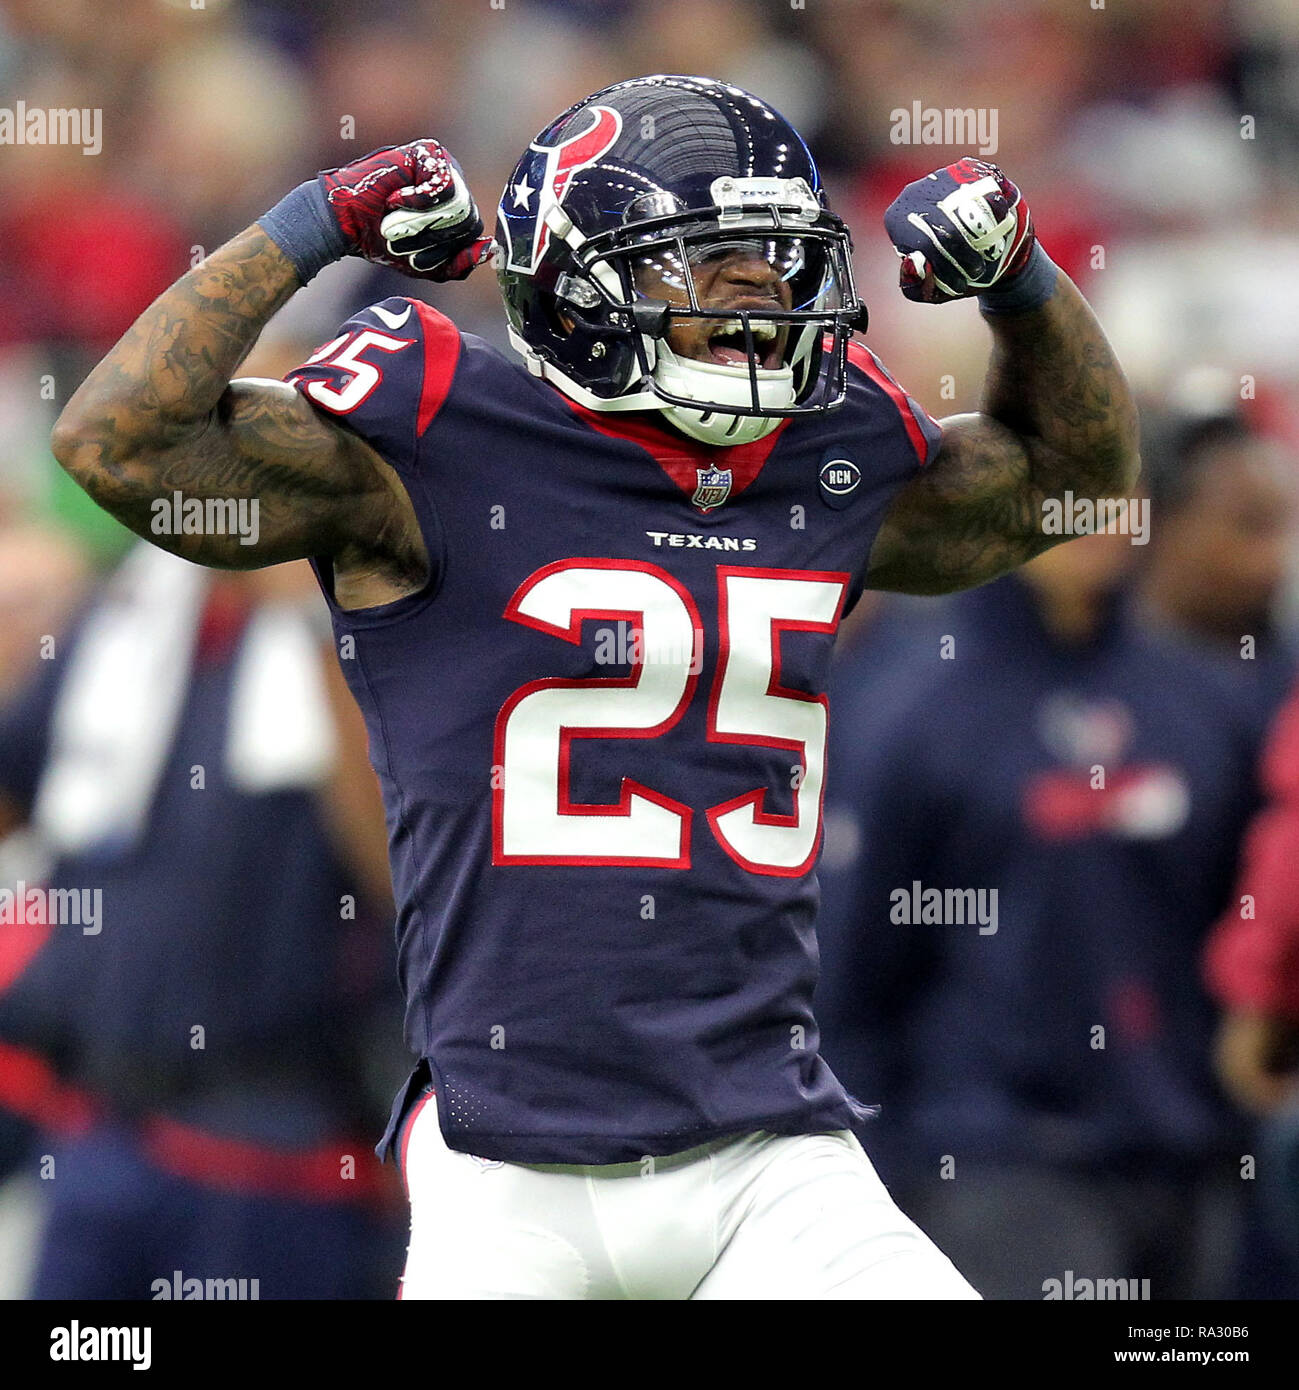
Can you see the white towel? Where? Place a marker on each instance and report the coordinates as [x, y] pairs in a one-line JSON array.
[[114, 725], [281, 733]]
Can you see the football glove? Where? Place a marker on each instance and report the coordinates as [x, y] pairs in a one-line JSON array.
[[960, 231], [408, 207]]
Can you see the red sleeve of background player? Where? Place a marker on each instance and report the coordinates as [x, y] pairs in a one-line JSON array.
[[1252, 959]]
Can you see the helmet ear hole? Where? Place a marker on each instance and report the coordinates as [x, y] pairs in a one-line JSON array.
[[563, 316], [590, 343]]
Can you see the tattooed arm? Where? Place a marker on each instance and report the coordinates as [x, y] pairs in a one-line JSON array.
[[160, 414], [1057, 416]]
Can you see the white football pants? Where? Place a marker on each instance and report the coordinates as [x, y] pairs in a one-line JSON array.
[[762, 1216]]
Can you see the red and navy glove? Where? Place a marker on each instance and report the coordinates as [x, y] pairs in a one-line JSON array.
[[405, 206], [966, 230], [409, 207]]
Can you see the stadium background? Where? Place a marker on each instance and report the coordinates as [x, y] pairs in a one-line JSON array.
[[1123, 124]]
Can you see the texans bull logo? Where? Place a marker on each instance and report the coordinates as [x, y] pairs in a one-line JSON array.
[[553, 171]]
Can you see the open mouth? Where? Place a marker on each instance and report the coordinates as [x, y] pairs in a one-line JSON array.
[[726, 344]]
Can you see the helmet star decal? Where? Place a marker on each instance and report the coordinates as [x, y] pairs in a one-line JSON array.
[[558, 165]]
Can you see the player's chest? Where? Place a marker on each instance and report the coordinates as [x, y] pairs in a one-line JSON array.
[[685, 517]]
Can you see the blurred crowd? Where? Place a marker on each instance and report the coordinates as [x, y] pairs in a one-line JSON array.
[[1158, 145]]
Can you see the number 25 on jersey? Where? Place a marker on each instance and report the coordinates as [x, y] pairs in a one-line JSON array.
[[534, 820]]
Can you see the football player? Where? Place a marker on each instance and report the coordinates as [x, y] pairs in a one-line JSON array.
[[587, 605]]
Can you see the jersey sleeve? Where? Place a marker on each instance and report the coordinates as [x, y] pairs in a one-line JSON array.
[[385, 375], [923, 432]]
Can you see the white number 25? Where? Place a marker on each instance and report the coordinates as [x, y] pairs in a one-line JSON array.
[[534, 818]]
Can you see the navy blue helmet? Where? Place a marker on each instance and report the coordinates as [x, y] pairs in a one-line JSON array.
[[611, 222]]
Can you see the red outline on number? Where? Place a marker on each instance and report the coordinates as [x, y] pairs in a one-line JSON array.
[[331, 361], [757, 797], [629, 788]]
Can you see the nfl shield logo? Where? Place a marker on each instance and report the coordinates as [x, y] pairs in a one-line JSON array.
[[713, 489]]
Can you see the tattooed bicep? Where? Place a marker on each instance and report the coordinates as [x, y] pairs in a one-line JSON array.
[[264, 435], [263, 445], [972, 514]]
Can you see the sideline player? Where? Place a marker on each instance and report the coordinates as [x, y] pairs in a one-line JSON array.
[[591, 606]]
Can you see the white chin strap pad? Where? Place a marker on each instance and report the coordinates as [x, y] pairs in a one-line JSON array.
[[711, 381]]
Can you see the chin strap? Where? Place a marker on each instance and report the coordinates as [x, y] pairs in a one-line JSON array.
[[722, 431], [706, 381]]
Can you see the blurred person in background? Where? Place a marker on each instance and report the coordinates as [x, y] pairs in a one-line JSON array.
[[43, 575], [196, 1061], [1222, 505], [1252, 969], [1221, 488], [1044, 1070]]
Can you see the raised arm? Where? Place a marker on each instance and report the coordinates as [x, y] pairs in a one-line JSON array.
[[1057, 413], [161, 413]]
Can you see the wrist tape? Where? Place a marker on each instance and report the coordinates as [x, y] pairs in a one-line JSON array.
[[303, 227], [1030, 288]]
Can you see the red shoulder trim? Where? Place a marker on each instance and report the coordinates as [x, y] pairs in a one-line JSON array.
[[441, 357], [863, 358], [677, 455]]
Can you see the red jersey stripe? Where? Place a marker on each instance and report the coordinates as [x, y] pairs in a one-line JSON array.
[[863, 358], [441, 357]]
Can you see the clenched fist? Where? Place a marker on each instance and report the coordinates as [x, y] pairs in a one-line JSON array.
[[408, 207], [961, 231]]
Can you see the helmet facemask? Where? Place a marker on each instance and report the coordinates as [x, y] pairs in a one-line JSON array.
[[758, 358], [741, 370]]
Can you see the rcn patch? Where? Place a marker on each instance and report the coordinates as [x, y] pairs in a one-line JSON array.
[[839, 480]]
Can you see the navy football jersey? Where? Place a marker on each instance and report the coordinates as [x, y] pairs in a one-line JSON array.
[[600, 730]]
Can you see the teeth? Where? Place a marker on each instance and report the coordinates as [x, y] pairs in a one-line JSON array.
[[762, 332]]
